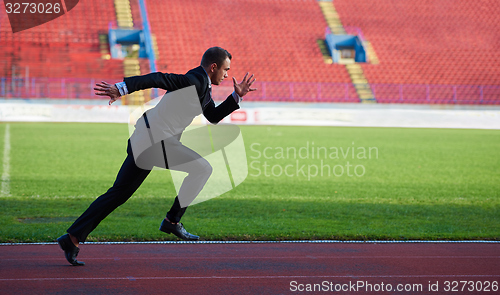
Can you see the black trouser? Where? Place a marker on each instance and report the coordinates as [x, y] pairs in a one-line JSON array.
[[128, 180]]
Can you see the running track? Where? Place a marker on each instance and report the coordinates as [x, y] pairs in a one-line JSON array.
[[251, 268]]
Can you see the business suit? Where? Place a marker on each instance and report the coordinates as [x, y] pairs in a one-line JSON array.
[[130, 176], [197, 77]]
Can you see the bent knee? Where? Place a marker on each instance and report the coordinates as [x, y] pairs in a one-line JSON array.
[[206, 168]]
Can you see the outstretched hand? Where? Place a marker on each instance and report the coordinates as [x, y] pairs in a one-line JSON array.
[[244, 87], [105, 89]]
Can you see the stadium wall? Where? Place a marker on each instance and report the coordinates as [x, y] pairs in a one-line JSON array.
[[303, 114]]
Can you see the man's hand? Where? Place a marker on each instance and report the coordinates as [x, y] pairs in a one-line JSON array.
[[106, 89], [244, 87]]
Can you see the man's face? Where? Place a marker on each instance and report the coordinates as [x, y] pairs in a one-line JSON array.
[[220, 73]]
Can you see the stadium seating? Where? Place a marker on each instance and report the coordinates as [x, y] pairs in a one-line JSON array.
[[429, 42], [275, 40], [429, 51], [67, 47]]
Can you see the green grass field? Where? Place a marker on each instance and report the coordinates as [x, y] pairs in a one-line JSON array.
[[436, 184]]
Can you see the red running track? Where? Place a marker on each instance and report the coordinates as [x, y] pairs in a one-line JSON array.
[[267, 268]]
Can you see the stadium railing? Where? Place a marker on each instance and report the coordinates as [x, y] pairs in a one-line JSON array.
[[82, 88]]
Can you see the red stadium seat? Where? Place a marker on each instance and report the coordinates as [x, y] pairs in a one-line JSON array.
[[428, 41]]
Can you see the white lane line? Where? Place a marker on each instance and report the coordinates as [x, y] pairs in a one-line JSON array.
[[256, 277], [6, 163], [256, 257]]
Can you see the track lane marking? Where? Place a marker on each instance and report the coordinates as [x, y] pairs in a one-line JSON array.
[[257, 277], [261, 257]]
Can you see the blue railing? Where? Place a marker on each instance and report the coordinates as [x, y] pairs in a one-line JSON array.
[[148, 39]]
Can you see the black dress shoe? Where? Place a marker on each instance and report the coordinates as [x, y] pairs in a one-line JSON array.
[[70, 250], [178, 230]]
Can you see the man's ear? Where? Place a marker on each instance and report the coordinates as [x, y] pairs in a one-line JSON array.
[[213, 67]]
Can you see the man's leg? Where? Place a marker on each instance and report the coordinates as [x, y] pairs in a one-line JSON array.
[[198, 173], [181, 158], [176, 211], [128, 180]]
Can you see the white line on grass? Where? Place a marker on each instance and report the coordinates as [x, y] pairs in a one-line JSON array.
[[6, 163]]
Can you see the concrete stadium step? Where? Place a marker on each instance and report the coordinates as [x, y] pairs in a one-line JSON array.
[[104, 46], [372, 56], [327, 58], [123, 14]]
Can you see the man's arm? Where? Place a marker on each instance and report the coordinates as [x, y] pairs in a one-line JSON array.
[[215, 114], [169, 82]]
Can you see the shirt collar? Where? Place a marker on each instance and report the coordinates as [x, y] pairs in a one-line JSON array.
[[209, 80]]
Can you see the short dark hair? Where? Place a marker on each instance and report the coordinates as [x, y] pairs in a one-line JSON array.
[[214, 55]]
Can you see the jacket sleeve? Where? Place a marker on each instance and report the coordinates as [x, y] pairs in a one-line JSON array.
[[172, 82], [169, 82], [215, 114]]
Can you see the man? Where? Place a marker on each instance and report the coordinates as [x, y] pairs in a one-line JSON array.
[[214, 66]]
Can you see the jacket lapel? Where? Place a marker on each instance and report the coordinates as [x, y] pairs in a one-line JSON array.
[[206, 97]]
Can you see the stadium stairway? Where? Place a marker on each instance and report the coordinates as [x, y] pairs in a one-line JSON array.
[[124, 14], [355, 71], [104, 46], [371, 53], [332, 17], [327, 58]]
